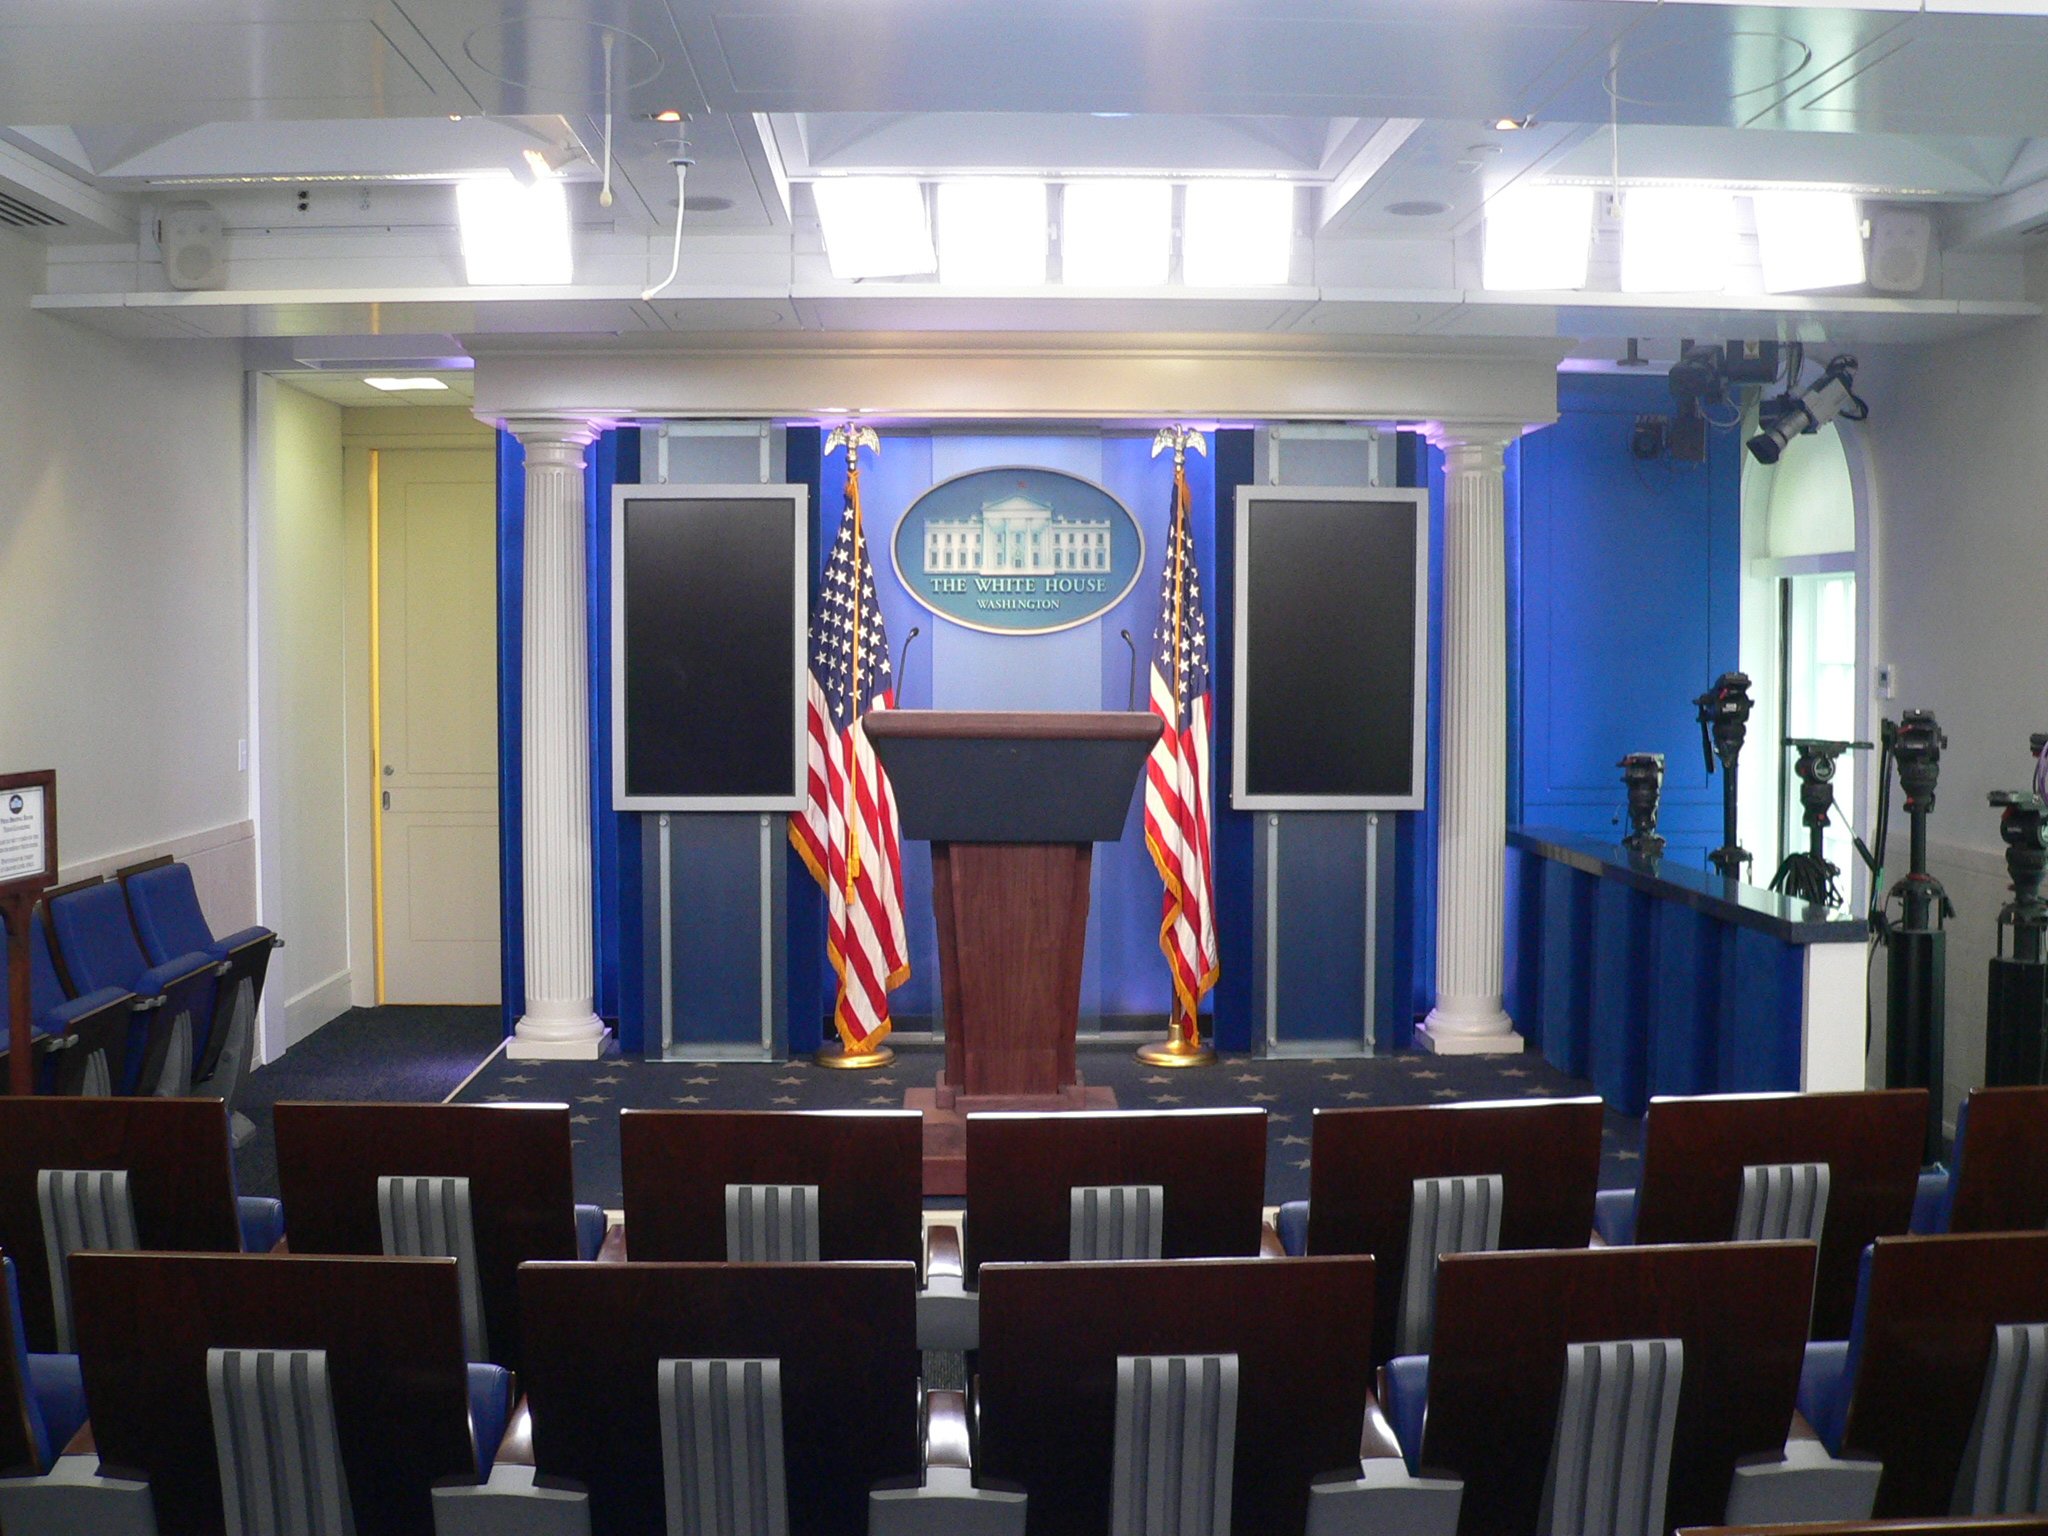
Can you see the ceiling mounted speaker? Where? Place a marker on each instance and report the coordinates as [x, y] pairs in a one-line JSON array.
[[1901, 240], [195, 246]]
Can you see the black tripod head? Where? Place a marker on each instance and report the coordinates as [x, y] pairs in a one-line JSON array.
[[1724, 711], [2024, 827], [1643, 775], [1916, 743]]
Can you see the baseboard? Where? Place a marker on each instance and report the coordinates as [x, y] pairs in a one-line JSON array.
[[322, 1003]]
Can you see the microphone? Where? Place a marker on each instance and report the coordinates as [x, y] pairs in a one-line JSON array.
[[902, 656], [1131, 693]]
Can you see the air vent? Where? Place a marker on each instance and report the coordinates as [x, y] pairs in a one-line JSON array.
[[20, 215]]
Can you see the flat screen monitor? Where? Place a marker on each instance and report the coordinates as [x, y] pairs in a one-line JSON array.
[[1332, 648], [709, 593]]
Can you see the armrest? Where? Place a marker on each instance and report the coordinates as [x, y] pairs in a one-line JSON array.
[[159, 979], [942, 1254], [1614, 1216], [249, 940], [1270, 1246], [262, 1222], [516, 1448], [591, 1228], [947, 1442], [1381, 1497], [1824, 1389], [67, 1014], [1377, 1442], [1931, 1201], [1291, 1220], [1804, 1484], [613, 1249]]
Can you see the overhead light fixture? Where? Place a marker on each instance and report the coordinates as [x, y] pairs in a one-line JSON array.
[[1676, 239], [875, 226], [1537, 238], [992, 232], [1808, 240], [514, 235], [1116, 234], [1512, 124], [538, 165], [666, 115], [395, 384], [1237, 234]]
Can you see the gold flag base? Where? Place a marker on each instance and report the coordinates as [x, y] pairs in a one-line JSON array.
[[841, 1060], [1177, 1050]]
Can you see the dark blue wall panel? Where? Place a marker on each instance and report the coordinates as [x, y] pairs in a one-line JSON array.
[[1624, 589], [1234, 999], [511, 611], [811, 999]]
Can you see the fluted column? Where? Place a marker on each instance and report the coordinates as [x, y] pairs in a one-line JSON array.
[[560, 1020], [1468, 1019]]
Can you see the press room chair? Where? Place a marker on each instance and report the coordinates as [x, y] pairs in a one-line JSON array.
[[1997, 1178], [1943, 1374], [97, 947], [170, 922], [42, 1396], [312, 1396], [79, 1043]]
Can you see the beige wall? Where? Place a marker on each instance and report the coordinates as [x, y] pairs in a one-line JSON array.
[[123, 588], [1958, 477], [302, 668]]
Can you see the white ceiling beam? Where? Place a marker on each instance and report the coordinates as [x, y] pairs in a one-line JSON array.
[[1354, 175]]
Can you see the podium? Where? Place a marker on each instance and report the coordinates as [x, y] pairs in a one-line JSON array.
[[1012, 805]]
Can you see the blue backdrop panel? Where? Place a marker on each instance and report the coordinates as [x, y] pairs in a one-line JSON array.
[[511, 628], [1625, 598], [809, 997], [715, 930], [1413, 961], [1231, 462]]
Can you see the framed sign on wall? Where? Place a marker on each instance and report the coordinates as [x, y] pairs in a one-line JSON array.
[[28, 867]]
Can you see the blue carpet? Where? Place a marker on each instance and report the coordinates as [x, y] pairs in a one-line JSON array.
[[1289, 1090], [402, 1054]]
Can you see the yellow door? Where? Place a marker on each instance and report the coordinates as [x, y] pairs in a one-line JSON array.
[[435, 529]]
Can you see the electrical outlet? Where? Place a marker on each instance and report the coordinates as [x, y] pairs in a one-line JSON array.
[[1887, 681], [242, 755]]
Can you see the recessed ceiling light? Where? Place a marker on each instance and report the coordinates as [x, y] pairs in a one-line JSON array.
[[1417, 208], [666, 115], [405, 382], [706, 204], [1511, 124], [875, 226]]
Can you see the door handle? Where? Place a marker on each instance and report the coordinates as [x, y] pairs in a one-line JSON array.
[[387, 799]]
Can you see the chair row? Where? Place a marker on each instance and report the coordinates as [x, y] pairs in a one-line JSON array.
[[131, 992], [1620, 1391]]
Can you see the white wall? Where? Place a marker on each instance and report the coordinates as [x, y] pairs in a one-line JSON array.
[[1958, 477], [302, 666], [123, 594]]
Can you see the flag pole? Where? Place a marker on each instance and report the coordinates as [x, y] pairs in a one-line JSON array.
[[853, 438], [1183, 1045]]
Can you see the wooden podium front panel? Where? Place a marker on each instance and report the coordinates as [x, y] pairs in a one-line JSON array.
[[1013, 925]]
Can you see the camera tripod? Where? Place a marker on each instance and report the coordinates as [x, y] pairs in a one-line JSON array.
[[1724, 721], [1643, 775], [1810, 876], [2016, 1005], [1916, 972]]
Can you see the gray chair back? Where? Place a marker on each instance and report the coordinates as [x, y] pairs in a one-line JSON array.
[[273, 1430], [1176, 1444], [1116, 1221], [176, 1081], [1611, 1459], [429, 1217], [83, 1208], [771, 1223], [2002, 1464], [721, 1448], [1446, 1215], [1782, 1202]]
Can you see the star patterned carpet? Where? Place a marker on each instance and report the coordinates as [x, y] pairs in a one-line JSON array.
[[1288, 1090]]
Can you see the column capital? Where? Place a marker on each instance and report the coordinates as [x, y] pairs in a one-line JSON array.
[[559, 439], [1474, 444]]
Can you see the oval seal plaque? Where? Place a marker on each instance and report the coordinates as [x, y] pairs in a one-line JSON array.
[[1018, 551]]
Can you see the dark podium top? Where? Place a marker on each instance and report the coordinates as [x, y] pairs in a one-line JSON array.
[[964, 776]]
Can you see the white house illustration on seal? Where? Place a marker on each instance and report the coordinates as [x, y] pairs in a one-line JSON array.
[[1015, 536]]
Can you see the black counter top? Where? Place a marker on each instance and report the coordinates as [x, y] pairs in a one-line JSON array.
[[1730, 901]]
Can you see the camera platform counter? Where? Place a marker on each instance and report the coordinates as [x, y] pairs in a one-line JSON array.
[[1648, 976]]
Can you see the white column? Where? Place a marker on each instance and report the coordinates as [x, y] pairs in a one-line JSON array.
[[1468, 1019], [560, 1021]]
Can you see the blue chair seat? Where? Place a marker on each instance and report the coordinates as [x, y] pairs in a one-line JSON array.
[[56, 1394], [262, 1220], [590, 1229], [1292, 1225], [1407, 1403], [1931, 1202], [490, 1410], [93, 930], [1614, 1217]]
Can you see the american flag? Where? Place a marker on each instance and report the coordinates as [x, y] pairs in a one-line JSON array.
[[846, 831], [1177, 773]]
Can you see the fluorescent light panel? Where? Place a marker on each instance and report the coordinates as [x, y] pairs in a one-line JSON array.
[[512, 234], [1537, 238], [1808, 240], [992, 232], [1676, 239], [394, 383], [1237, 234], [875, 226], [1116, 233]]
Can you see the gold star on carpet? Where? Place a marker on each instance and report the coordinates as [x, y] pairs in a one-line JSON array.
[[1165, 1098], [1627, 1156], [1446, 1093], [1355, 1094], [1249, 1077], [498, 1098], [789, 1082], [882, 1098], [1155, 1078], [1302, 1165], [688, 1098], [1322, 1061], [1293, 1141], [1336, 1077], [889, 1080], [593, 1098], [1429, 1075], [697, 1082], [521, 1078], [1537, 1091], [782, 1098], [581, 1120], [1514, 1072], [575, 1141], [607, 1079], [1279, 1119], [1265, 1098]]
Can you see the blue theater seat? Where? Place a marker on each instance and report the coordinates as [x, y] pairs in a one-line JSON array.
[[69, 1033], [54, 1387], [97, 944], [170, 922]]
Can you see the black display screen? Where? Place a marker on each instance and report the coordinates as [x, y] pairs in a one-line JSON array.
[[711, 635], [1330, 707]]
